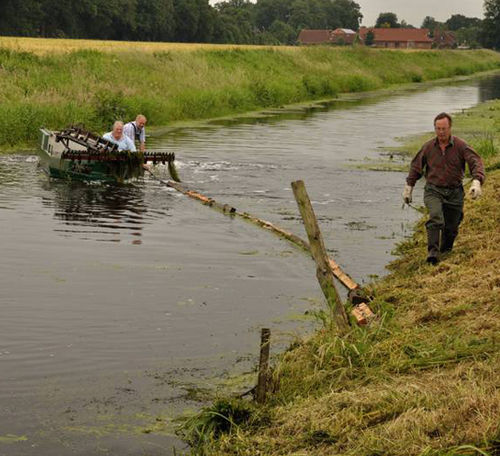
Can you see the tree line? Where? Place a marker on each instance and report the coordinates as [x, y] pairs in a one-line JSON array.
[[232, 21]]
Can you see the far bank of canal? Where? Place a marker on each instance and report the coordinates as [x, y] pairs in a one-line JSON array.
[[118, 301]]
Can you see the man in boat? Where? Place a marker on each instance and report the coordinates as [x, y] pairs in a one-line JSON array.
[[118, 137], [442, 160], [136, 131]]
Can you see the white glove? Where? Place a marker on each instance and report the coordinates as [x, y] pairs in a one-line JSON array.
[[475, 189], [407, 194]]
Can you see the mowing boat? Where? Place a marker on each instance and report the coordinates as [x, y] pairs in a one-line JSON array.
[[78, 154]]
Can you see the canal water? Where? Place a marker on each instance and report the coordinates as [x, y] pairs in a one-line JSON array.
[[120, 305]]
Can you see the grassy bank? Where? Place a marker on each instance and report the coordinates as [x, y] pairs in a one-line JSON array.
[[424, 379], [167, 84]]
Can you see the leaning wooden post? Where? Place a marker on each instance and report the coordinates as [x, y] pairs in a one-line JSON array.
[[324, 271], [263, 365]]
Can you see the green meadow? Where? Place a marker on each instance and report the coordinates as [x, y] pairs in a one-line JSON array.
[[96, 87]]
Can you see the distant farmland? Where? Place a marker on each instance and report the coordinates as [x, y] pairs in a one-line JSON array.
[[42, 46]]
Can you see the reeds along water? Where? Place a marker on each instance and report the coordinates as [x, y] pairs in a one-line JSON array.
[[54, 88]]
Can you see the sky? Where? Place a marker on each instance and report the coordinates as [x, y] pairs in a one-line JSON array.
[[414, 11]]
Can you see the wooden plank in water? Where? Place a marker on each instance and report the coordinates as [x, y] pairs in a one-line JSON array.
[[344, 278]]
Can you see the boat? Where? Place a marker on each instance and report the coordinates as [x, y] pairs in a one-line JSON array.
[[78, 154]]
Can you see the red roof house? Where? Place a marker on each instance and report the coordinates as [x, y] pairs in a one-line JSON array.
[[343, 36], [444, 39], [337, 36], [398, 38], [315, 36]]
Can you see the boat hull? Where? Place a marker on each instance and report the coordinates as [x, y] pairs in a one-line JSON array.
[[52, 159]]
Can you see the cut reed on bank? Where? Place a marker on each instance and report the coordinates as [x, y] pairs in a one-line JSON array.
[[422, 380]]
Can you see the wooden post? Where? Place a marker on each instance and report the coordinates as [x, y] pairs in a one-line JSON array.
[[317, 247], [263, 365]]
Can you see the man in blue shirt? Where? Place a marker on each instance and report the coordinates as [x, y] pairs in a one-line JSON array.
[[117, 137], [136, 131]]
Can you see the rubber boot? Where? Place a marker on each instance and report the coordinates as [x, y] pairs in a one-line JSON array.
[[433, 236], [447, 244]]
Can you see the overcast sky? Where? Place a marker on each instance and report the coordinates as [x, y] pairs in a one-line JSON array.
[[414, 11]]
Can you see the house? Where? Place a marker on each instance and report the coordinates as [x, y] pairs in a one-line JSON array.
[[398, 38], [343, 36], [315, 37], [444, 39], [337, 36]]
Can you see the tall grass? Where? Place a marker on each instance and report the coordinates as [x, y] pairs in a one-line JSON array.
[[422, 380], [96, 87]]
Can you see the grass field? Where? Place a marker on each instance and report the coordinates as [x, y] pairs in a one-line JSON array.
[[50, 83], [422, 380], [51, 45]]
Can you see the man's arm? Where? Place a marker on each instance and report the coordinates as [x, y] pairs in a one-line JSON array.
[[416, 171], [475, 163], [416, 168], [476, 167], [143, 139]]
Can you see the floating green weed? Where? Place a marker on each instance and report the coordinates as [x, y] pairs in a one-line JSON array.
[[11, 438]]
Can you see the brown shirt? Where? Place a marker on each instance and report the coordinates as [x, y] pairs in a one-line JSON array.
[[445, 169]]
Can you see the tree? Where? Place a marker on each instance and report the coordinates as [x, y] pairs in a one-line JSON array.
[[349, 13], [431, 24], [458, 21], [300, 16], [284, 33], [469, 36], [155, 20], [387, 20], [405, 24], [370, 38], [491, 24], [20, 18], [234, 22], [268, 11], [194, 21]]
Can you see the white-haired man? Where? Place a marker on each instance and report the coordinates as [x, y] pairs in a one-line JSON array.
[[136, 131], [117, 137]]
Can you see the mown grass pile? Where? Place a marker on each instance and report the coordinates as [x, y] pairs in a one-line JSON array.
[[423, 379], [54, 89]]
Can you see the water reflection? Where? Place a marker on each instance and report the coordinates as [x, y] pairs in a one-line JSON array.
[[103, 210], [489, 89]]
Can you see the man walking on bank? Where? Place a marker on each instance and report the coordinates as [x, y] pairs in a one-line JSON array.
[[442, 160], [136, 131]]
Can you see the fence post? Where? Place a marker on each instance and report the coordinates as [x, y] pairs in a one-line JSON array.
[[263, 365], [323, 271]]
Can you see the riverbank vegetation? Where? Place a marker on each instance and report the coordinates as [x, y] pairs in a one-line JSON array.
[[423, 379], [167, 85]]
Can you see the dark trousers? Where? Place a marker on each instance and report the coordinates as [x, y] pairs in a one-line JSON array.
[[445, 207]]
